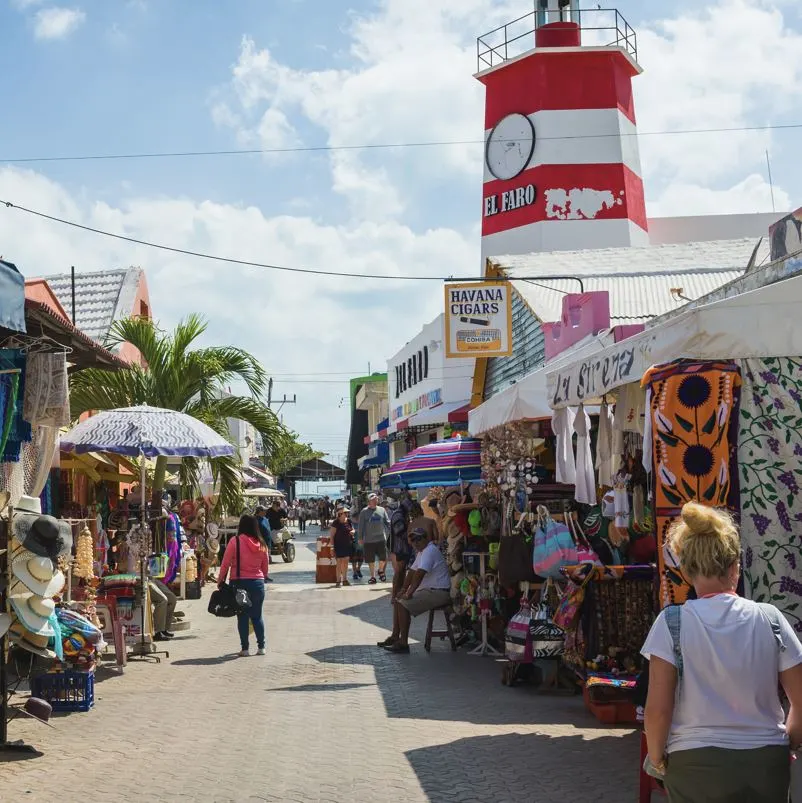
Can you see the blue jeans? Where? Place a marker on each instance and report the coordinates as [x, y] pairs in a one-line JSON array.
[[256, 591]]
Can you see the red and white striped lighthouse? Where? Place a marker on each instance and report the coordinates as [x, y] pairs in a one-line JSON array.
[[562, 168]]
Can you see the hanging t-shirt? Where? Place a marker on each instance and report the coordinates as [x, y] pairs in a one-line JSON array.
[[728, 696]]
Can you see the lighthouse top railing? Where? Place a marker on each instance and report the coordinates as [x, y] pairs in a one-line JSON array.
[[600, 27]]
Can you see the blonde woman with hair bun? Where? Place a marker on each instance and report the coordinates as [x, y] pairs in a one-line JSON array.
[[715, 725]]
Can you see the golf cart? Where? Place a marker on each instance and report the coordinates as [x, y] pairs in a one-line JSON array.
[[283, 539]]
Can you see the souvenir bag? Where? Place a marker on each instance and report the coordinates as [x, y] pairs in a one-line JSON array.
[[518, 637], [584, 551], [554, 546], [515, 556], [228, 601], [548, 640], [571, 603]]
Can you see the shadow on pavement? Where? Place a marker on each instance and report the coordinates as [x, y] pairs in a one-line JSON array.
[[456, 687], [211, 661], [548, 769], [325, 687]]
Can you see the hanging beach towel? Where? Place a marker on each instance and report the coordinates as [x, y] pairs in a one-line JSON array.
[[554, 546]]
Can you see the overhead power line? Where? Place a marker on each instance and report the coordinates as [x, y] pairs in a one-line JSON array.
[[268, 266], [376, 146], [229, 260]]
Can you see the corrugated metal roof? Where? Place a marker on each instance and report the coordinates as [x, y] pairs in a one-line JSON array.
[[97, 298], [639, 280]]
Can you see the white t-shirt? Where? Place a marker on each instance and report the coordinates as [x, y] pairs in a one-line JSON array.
[[728, 693], [430, 560]]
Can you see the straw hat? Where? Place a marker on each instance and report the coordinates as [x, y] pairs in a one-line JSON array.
[[36, 573], [43, 535], [34, 613], [32, 642], [29, 504]]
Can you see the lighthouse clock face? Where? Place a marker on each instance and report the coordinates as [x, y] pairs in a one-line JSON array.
[[510, 146]]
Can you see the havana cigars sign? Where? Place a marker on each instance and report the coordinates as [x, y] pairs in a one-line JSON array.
[[478, 319]]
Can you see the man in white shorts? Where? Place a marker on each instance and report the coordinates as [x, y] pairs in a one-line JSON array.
[[427, 586]]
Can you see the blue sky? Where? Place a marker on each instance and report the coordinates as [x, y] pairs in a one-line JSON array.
[[89, 77]]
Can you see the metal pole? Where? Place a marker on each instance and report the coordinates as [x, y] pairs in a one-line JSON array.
[[72, 289], [771, 183]]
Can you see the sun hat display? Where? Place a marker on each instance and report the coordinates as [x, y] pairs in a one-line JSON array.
[[39, 709], [32, 611], [32, 642], [43, 535], [29, 504], [36, 573]]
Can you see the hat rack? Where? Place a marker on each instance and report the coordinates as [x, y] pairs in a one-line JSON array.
[[5, 582]]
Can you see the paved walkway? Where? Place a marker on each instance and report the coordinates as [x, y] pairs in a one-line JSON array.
[[325, 716]]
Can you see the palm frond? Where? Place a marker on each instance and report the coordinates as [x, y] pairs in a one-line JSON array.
[[96, 389], [243, 408], [226, 473]]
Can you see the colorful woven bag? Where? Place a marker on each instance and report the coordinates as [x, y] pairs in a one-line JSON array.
[[554, 546]]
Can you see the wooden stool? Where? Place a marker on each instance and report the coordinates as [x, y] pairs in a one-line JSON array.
[[446, 610]]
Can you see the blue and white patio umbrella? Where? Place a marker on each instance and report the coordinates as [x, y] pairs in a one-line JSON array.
[[145, 431], [148, 431]]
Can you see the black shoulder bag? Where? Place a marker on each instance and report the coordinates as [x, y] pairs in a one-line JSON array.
[[229, 601]]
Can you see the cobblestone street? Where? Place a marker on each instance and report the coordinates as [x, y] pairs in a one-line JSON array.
[[325, 716]]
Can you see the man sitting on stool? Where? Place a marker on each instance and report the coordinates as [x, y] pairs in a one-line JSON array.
[[426, 586]]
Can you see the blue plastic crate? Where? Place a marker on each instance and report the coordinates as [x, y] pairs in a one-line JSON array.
[[66, 691]]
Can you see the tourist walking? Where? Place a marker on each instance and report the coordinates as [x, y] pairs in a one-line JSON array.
[[245, 564], [342, 539], [715, 725], [357, 554], [302, 515], [372, 531]]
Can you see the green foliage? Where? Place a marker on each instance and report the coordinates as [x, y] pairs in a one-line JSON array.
[[288, 452], [177, 376]]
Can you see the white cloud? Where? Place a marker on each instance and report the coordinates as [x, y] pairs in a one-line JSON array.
[[23, 4], [753, 194], [293, 322], [57, 23], [727, 65], [730, 64]]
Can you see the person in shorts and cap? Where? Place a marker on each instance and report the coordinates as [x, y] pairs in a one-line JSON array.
[[372, 530], [427, 586]]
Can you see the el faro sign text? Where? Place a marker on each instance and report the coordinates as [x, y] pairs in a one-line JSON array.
[[510, 199]]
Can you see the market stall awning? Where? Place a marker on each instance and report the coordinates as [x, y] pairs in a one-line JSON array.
[[253, 474], [528, 399], [12, 298], [460, 415], [760, 323], [436, 416], [442, 463], [379, 455]]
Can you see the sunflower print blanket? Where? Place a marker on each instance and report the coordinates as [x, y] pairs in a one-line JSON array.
[[694, 420]]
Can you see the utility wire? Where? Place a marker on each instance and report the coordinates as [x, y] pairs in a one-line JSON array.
[[380, 146], [268, 266], [230, 260]]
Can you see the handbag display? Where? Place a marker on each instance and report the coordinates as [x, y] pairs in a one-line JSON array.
[[518, 635], [571, 603], [227, 600], [548, 639], [515, 556], [584, 551], [554, 546]]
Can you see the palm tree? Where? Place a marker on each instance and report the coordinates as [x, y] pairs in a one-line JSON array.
[[192, 380]]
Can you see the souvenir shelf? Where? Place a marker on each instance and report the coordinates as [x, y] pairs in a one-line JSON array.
[[603, 648]]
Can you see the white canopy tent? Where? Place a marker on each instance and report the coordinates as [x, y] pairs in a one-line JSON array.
[[760, 323]]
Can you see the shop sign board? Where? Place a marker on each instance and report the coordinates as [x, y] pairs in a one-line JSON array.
[[591, 378], [422, 402], [478, 319]]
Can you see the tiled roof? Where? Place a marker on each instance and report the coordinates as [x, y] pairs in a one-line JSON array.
[[639, 280], [98, 298]]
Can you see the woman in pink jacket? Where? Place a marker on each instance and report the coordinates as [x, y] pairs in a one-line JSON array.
[[250, 574]]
